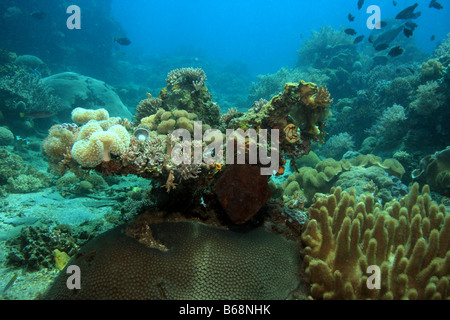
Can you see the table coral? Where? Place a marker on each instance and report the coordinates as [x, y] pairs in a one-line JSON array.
[[407, 240]]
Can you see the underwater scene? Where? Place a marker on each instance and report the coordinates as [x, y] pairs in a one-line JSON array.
[[225, 150]]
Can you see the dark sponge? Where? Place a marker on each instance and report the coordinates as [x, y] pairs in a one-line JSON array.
[[202, 263]]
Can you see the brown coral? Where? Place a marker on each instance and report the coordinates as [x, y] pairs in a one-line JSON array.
[[408, 240]]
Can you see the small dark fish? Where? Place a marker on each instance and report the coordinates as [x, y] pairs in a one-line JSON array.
[[123, 41], [383, 24], [435, 4], [350, 31], [358, 39], [395, 51], [411, 25], [408, 32], [37, 114], [360, 4], [409, 13], [394, 3], [370, 39], [411, 69], [38, 15], [382, 46], [433, 37], [351, 17], [380, 60]]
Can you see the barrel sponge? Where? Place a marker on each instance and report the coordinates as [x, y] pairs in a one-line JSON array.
[[201, 262], [185, 123], [81, 115], [166, 126]]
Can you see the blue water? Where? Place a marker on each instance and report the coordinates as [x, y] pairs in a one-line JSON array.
[[263, 34]]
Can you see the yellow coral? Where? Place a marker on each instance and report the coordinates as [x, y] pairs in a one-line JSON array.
[[185, 123], [166, 116], [166, 126], [81, 115], [180, 113], [408, 241]]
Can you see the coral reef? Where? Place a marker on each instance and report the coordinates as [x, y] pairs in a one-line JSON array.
[[407, 241], [155, 261], [186, 90]]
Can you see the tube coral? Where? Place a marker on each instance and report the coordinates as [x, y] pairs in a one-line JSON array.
[[407, 240]]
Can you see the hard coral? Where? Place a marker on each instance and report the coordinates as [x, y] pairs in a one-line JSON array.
[[188, 261], [407, 240]]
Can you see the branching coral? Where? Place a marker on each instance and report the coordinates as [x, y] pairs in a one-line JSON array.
[[407, 240]]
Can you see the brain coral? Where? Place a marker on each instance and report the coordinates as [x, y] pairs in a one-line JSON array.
[[199, 262]]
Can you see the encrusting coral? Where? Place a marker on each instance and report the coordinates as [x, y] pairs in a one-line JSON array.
[[407, 239]]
